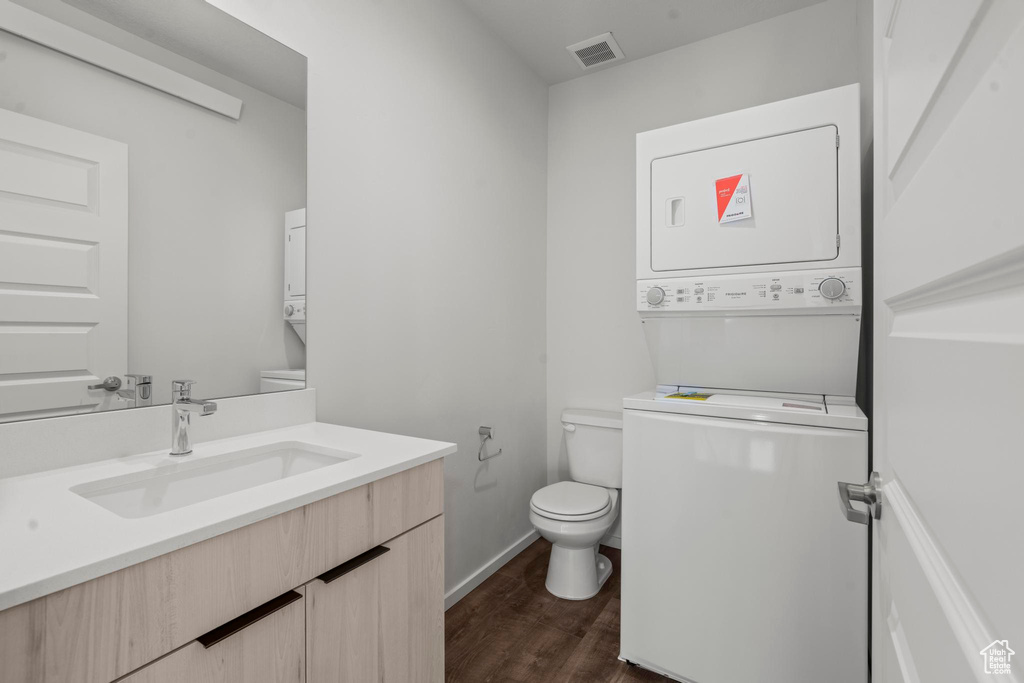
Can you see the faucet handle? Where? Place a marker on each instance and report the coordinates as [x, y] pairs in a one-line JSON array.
[[182, 388]]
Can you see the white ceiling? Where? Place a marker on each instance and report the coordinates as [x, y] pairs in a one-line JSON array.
[[539, 30], [200, 32]]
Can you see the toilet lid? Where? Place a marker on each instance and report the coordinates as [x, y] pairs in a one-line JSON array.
[[571, 499]]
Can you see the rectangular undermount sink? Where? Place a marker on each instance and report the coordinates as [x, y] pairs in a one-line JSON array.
[[188, 482]]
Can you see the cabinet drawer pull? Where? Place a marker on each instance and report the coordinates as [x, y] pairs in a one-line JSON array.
[[354, 563], [248, 619]]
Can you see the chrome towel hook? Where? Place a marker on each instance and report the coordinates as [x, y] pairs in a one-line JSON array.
[[485, 434]]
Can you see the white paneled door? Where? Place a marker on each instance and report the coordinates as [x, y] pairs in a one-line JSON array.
[[948, 601], [63, 267]]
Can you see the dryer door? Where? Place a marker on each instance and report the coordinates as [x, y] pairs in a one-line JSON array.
[[768, 201]]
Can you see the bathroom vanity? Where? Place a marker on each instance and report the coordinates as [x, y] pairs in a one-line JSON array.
[[142, 568]]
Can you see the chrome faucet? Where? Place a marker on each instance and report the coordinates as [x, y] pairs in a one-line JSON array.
[[138, 391], [182, 407]]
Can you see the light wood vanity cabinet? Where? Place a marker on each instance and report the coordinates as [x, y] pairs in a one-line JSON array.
[[383, 621]]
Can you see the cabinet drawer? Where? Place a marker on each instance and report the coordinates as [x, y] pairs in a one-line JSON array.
[[266, 647], [412, 606], [381, 617], [343, 626]]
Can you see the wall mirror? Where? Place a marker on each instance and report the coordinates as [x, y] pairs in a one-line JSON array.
[[152, 206]]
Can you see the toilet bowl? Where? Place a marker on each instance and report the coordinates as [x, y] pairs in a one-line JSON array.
[[576, 570], [575, 515]]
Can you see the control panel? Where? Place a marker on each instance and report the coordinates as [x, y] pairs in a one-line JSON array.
[[295, 310], [760, 292]]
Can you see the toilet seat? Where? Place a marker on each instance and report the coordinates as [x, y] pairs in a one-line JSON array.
[[571, 501]]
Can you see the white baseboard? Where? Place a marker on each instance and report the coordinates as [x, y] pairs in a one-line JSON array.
[[481, 575]]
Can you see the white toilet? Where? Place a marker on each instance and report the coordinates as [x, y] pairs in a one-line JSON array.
[[575, 515]]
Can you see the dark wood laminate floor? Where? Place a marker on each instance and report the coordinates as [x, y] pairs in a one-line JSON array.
[[511, 629]]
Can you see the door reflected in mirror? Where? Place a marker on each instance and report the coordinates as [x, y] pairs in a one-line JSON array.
[[152, 206]]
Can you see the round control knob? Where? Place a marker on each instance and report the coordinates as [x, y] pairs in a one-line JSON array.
[[655, 295], [832, 288], [289, 309]]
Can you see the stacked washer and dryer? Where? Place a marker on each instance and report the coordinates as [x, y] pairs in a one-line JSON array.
[[294, 301], [736, 565]]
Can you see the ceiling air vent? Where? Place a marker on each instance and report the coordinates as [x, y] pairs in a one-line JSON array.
[[597, 50]]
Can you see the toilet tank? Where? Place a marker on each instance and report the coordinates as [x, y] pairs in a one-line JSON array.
[[593, 440]]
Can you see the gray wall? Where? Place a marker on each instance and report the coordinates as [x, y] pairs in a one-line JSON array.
[[207, 197], [427, 196], [596, 348]]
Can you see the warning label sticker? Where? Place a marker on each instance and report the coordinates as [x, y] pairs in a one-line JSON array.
[[733, 195], [691, 396]]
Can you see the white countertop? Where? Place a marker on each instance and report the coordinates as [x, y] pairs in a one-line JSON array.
[[53, 538]]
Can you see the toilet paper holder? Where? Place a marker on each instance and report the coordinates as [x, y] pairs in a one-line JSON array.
[[485, 434]]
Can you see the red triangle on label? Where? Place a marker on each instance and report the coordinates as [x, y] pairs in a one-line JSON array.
[[724, 187]]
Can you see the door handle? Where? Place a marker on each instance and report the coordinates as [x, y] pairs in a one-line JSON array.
[[112, 383], [870, 493]]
